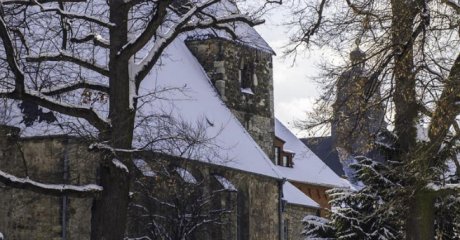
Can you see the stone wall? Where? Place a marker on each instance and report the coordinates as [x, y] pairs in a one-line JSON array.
[[293, 216], [243, 76], [29, 215], [254, 205]]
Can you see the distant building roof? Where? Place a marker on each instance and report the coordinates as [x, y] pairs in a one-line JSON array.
[[324, 148]]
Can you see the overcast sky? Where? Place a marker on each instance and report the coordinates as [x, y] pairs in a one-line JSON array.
[[295, 89]]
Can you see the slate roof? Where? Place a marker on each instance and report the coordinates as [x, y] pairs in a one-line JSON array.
[[324, 148]]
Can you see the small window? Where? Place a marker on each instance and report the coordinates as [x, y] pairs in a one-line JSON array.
[[285, 161], [277, 155], [246, 74]]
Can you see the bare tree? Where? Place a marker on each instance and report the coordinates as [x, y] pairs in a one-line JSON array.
[[412, 56], [171, 203], [84, 61]]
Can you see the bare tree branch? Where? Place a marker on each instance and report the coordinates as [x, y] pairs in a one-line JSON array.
[[78, 85], [63, 56], [90, 190]]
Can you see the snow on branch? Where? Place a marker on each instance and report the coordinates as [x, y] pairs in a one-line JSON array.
[[97, 39], [83, 191], [120, 165], [33, 2], [443, 188], [452, 4], [63, 56]]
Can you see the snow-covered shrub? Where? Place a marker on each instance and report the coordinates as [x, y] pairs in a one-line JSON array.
[[317, 228]]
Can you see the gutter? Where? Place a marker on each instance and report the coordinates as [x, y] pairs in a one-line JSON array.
[[64, 198], [281, 207]]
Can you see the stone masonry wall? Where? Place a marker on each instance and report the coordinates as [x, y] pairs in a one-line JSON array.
[[294, 215], [255, 204], [29, 215], [243, 77]]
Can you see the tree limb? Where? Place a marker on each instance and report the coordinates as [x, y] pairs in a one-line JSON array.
[[447, 108], [68, 109], [74, 86], [11, 57], [90, 190], [72, 15], [62, 56], [96, 38]]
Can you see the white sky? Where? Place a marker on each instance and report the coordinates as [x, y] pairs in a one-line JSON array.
[[295, 89]]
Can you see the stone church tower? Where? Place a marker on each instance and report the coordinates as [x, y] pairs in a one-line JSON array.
[[358, 114], [243, 78]]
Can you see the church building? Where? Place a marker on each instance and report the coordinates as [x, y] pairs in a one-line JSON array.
[[259, 176]]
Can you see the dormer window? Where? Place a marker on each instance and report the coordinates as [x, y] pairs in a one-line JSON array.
[[283, 157]]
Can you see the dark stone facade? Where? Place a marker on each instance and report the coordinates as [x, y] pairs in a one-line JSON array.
[[27, 215], [243, 76], [293, 220]]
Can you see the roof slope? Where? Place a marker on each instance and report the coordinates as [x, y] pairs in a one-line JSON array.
[[245, 34], [192, 102], [324, 149], [308, 168], [294, 196]]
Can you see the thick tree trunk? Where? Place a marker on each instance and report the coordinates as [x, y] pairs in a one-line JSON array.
[[109, 212], [420, 222], [420, 217]]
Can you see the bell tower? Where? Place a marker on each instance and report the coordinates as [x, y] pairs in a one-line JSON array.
[[358, 113], [243, 77]]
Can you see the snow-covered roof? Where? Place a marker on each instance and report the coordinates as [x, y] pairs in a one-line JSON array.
[[186, 175], [198, 104], [225, 183], [308, 168], [294, 196], [144, 167], [245, 34]]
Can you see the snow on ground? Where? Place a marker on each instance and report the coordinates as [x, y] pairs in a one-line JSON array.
[[308, 168], [294, 196]]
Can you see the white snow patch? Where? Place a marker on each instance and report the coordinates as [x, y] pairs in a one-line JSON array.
[[120, 165], [236, 148], [294, 196], [308, 168], [225, 183], [58, 187], [436, 187], [144, 167], [186, 175], [247, 91]]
